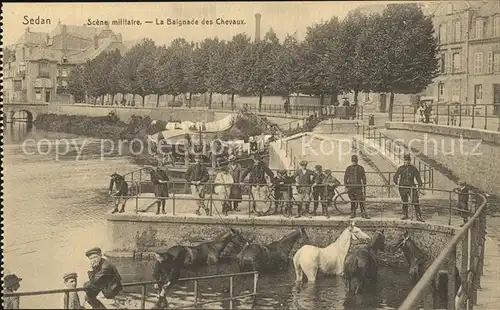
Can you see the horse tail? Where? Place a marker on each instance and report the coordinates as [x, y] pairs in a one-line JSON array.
[[298, 268]]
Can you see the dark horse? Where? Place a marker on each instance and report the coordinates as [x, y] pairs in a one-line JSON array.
[[363, 265], [271, 257], [205, 253], [418, 263], [121, 191]]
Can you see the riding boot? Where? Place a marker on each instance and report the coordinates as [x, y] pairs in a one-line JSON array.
[[158, 209], [114, 210], [207, 211], [353, 210], [363, 211], [315, 208], [299, 211], [122, 209], [418, 213], [405, 212]]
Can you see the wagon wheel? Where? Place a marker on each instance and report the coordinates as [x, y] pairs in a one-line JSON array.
[[342, 203]]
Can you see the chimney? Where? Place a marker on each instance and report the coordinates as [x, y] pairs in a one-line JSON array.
[[257, 27], [96, 41]]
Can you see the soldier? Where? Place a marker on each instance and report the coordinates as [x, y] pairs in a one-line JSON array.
[[160, 179], [71, 299], [355, 181], [304, 178], [318, 189], [197, 174], [463, 191], [405, 177], [103, 277], [258, 185], [331, 184]]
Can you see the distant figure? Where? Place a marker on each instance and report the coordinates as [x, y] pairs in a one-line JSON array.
[[304, 179], [355, 181], [253, 145], [346, 102], [224, 181], [72, 299], [197, 175], [427, 112], [405, 177], [331, 184], [463, 192], [160, 179], [103, 277], [259, 191], [12, 284], [235, 170], [286, 105], [319, 190], [283, 193]]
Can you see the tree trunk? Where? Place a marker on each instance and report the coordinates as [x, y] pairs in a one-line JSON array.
[[260, 101], [321, 100], [143, 100], [391, 103], [210, 100], [356, 93], [190, 97], [113, 99], [102, 97], [157, 100], [232, 101], [173, 100]]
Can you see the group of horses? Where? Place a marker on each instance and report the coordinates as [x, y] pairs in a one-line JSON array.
[[360, 264]]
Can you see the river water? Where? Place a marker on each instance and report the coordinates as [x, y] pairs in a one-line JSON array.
[[54, 210]]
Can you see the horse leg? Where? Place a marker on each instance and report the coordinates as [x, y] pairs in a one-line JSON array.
[[298, 268]]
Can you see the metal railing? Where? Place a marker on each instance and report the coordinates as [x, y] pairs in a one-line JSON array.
[[480, 116], [471, 238], [396, 150], [144, 286]]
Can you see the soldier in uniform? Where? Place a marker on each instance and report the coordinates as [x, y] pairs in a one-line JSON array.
[[160, 179], [103, 277], [355, 180], [318, 189], [463, 191], [197, 174], [405, 177], [304, 179]]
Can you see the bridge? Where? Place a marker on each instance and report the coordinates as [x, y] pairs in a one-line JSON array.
[[24, 112]]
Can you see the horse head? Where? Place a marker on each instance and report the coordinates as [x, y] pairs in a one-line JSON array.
[[357, 233], [402, 241], [237, 237], [378, 240]]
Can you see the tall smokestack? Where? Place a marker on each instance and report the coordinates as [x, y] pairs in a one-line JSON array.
[[257, 27]]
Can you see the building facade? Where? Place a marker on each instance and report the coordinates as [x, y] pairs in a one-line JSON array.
[[469, 54], [40, 64]]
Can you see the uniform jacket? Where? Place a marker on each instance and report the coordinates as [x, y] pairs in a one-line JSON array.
[[257, 174], [463, 193], [197, 172], [304, 178], [158, 175], [406, 175], [105, 278], [354, 175]]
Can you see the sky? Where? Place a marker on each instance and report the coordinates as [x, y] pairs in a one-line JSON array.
[[283, 17]]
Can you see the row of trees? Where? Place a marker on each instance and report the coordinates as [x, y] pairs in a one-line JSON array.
[[392, 52]]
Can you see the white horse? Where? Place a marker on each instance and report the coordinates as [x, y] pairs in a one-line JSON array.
[[330, 260]]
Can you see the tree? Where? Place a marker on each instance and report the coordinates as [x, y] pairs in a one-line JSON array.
[[405, 52], [126, 71], [110, 63], [147, 74], [76, 83], [288, 67], [212, 60], [239, 65], [177, 55]]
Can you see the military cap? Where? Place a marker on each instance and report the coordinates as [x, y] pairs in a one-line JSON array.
[[318, 167], [303, 163], [10, 280], [354, 158], [71, 275], [95, 250], [407, 156]]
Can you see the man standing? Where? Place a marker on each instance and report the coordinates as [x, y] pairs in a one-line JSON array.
[[71, 300], [197, 174], [12, 284], [355, 181], [160, 179], [224, 181], [318, 189], [235, 171], [331, 184], [103, 277], [405, 177], [282, 193], [259, 189], [304, 178], [463, 191]]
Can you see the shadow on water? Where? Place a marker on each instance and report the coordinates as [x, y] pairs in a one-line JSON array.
[[276, 291]]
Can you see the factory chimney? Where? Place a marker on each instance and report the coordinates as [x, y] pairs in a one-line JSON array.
[[257, 27]]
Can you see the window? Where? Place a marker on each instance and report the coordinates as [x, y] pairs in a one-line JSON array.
[[455, 90], [478, 63], [496, 26], [64, 72], [449, 8], [479, 29], [478, 93], [457, 62], [43, 69], [490, 62], [496, 62], [443, 63], [440, 91], [442, 34], [457, 26], [38, 94]]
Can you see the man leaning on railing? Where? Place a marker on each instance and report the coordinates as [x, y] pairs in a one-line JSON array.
[[197, 175]]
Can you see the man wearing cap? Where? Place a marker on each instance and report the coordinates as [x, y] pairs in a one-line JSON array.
[[223, 182], [282, 193], [197, 174], [160, 179], [463, 191], [257, 179], [355, 181], [319, 189], [235, 171], [304, 179], [71, 300], [121, 191], [12, 284], [405, 177], [104, 277]]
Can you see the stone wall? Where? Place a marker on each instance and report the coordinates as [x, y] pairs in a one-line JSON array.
[[137, 233]]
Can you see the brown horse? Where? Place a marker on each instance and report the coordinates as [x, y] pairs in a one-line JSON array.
[[271, 257], [206, 253], [418, 263], [363, 265], [121, 191]]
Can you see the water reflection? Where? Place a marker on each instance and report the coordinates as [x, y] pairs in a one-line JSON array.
[[17, 132]]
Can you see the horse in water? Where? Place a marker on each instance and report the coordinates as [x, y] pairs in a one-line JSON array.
[[118, 181], [418, 261], [271, 257], [330, 260], [206, 253], [363, 265]]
